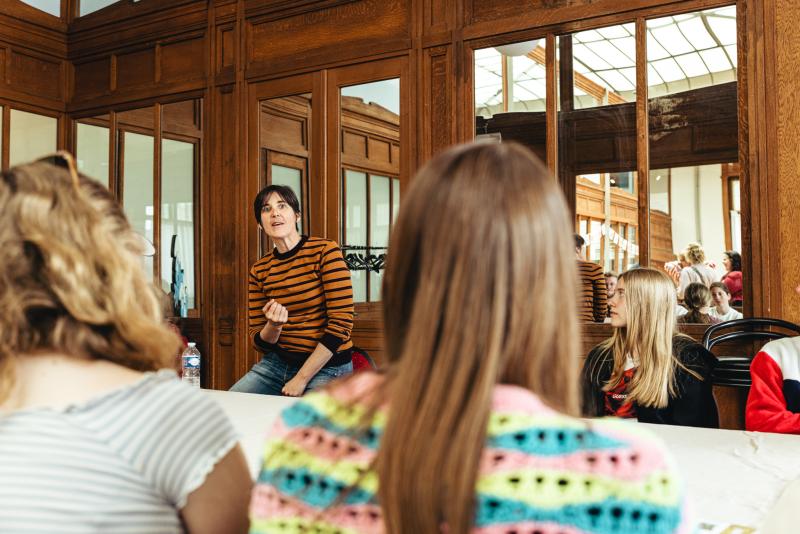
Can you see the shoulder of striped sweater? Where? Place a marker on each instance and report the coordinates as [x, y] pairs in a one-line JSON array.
[[262, 262], [326, 243]]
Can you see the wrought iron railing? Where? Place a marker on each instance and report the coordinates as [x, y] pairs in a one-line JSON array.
[[359, 258]]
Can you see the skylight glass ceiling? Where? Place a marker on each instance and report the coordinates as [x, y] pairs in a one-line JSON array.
[[684, 52]]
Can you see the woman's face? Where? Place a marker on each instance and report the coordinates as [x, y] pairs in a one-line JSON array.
[[619, 311], [611, 285], [278, 219], [720, 296], [726, 261]]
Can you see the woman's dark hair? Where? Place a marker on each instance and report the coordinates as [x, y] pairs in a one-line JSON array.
[[736, 259], [720, 285], [579, 241], [283, 191]]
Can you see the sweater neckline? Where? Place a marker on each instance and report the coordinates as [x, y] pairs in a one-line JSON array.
[[292, 251]]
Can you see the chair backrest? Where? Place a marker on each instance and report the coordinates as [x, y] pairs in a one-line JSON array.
[[361, 360], [747, 329], [735, 370]]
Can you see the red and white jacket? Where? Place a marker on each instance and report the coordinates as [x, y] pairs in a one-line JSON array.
[[773, 404]]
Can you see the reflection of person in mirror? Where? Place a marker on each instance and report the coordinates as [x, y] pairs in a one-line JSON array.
[[646, 369], [611, 286], [721, 310], [300, 304], [593, 297], [696, 272], [697, 299], [732, 278]]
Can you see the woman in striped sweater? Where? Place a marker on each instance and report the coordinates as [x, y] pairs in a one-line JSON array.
[[467, 430], [300, 304]]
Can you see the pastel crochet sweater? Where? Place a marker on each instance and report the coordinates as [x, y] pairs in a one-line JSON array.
[[540, 472]]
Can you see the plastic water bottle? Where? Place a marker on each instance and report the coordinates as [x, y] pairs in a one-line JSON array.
[[191, 366]]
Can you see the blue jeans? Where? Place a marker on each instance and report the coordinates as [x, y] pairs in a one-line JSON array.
[[268, 376]]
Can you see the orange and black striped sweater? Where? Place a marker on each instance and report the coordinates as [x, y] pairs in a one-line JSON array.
[[313, 283]]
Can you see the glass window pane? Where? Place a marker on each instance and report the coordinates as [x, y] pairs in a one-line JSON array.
[[395, 198], [355, 195], [515, 72], [137, 194], [91, 151], [380, 219], [31, 136], [385, 93], [52, 7], [178, 160], [90, 6]]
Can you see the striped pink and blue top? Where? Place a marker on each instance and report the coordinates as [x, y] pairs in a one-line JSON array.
[[540, 472]]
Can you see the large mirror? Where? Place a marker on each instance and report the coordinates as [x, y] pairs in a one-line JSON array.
[[597, 141], [695, 224], [370, 179]]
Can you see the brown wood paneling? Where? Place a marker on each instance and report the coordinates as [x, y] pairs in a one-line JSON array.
[[135, 69], [328, 34], [787, 13], [35, 75], [438, 129], [183, 60], [227, 48], [93, 77]]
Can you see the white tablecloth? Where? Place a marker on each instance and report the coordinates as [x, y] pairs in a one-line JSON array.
[[732, 476]]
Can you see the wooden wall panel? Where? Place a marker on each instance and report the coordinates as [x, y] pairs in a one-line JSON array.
[[787, 13], [345, 30], [93, 77], [183, 60], [35, 75], [135, 69], [437, 128]]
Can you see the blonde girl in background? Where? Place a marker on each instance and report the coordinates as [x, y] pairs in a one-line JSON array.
[[646, 370]]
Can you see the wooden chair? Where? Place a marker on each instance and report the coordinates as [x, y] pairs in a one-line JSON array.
[[732, 374]]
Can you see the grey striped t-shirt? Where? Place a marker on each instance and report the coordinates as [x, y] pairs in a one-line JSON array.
[[123, 462]]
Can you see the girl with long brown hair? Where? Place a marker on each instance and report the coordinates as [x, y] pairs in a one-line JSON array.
[[465, 429], [646, 369]]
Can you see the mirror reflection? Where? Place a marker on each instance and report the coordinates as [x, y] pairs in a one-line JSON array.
[[370, 174], [695, 223]]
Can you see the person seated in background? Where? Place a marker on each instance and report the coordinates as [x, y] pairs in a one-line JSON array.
[[696, 271], [773, 404], [593, 296], [300, 302], [95, 434], [722, 311], [697, 300], [611, 285], [467, 430], [732, 261], [646, 370]]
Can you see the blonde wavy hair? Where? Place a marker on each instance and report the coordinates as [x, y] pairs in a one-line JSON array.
[[650, 303], [694, 253], [71, 280]]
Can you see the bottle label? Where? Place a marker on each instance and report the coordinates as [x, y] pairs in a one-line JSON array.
[[193, 362]]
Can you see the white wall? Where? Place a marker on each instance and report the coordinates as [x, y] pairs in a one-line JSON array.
[[697, 210]]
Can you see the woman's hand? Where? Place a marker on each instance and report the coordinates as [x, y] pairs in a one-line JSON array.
[[295, 387], [276, 314]]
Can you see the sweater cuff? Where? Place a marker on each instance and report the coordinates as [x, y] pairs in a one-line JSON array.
[[263, 345], [331, 342]]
